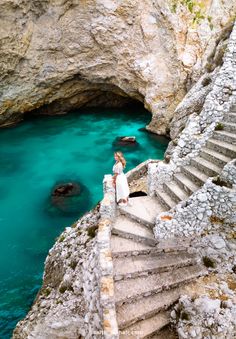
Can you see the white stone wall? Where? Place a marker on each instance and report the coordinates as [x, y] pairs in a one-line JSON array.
[[91, 276], [200, 127], [206, 317], [106, 282], [193, 216]]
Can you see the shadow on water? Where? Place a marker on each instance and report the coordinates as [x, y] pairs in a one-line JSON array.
[[10, 163]]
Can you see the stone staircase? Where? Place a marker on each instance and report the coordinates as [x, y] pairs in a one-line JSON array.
[[218, 151], [149, 276]]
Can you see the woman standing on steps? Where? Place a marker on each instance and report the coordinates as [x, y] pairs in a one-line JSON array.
[[119, 180]]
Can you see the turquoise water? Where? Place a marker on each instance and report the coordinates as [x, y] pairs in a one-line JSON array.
[[36, 155]]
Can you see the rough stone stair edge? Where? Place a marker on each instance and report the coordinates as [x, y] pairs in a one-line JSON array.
[[229, 126], [147, 327], [230, 117], [222, 147], [127, 235], [194, 174], [200, 271], [176, 192], [165, 200], [215, 157], [163, 265], [165, 333], [186, 183], [159, 247], [147, 307], [142, 221], [225, 136], [206, 166]]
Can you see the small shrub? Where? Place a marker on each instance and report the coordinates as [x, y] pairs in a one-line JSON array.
[[70, 288], [62, 238], [62, 289], [208, 262], [74, 225], [219, 127], [209, 19], [167, 159], [206, 81], [209, 67], [47, 291], [175, 142], [185, 316], [59, 302], [92, 231], [73, 264]]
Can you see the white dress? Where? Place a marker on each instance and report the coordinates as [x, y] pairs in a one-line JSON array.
[[122, 187]]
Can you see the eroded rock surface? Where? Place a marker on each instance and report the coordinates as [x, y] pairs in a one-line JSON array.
[[68, 54]]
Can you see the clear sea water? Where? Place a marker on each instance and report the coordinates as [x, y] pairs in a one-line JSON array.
[[34, 156]]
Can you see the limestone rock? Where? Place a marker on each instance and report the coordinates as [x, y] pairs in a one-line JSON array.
[[57, 55], [205, 318]]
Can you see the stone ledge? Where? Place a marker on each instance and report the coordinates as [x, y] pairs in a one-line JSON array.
[[140, 170]]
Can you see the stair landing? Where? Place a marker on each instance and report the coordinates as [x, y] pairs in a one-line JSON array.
[[143, 209]]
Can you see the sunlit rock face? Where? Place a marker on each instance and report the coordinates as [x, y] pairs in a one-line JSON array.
[[58, 55]]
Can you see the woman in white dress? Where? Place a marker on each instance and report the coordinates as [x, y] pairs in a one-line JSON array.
[[119, 180]]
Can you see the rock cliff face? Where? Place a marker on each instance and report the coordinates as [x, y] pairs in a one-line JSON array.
[[58, 55]]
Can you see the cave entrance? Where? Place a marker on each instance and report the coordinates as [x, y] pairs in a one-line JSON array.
[[89, 99]]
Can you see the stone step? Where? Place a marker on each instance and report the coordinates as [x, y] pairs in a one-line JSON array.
[[225, 136], [206, 166], [146, 328], [166, 333], [175, 191], [146, 307], [133, 289], [165, 200], [186, 183], [215, 157], [233, 108], [143, 209], [222, 147], [231, 117], [137, 266], [229, 126], [130, 229], [122, 247], [195, 174]]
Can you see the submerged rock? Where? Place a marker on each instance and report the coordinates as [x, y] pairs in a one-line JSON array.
[[67, 189], [68, 198], [125, 141]]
